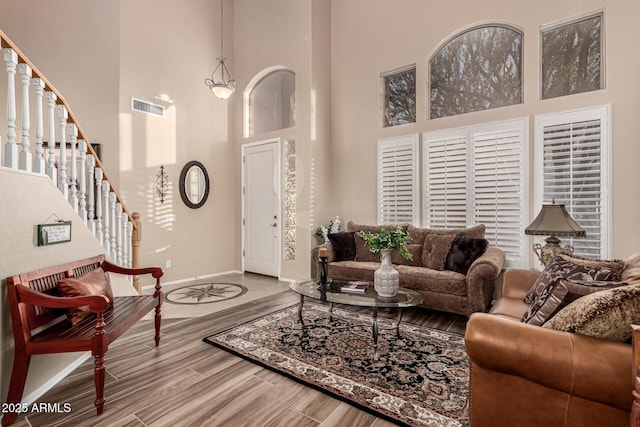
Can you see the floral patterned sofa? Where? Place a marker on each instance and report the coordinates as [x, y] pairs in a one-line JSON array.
[[454, 269]]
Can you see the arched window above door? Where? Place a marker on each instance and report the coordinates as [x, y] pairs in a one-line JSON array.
[[270, 102]]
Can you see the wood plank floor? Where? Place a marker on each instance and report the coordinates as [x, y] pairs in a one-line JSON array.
[[186, 382]]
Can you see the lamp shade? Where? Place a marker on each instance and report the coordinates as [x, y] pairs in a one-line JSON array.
[[554, 220]]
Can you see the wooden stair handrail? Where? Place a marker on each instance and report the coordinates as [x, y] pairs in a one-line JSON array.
[[22, 58]]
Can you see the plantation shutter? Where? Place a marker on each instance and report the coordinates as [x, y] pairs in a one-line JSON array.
[[574, 166], [446, 157], [499, 186], [398, 180]]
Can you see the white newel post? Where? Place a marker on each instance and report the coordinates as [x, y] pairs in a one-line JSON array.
[[105, 217], [99, 235], [51, 159], [26, 158], [118, 223], [82, 173], [112, 225], [38, 163], [129, 244], [73, 182], [10, 148], [91, 166], [63, 182]]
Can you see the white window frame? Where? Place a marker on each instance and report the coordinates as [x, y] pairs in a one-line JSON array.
[[409, 145], [602, 113], [470, 134]]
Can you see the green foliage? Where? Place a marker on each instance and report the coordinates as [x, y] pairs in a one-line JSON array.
[[394, 239]]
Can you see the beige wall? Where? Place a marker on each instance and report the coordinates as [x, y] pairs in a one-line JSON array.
[[99, 55], [145, 48], [293, 34], [168, 48], [75, 44], [365, 45]]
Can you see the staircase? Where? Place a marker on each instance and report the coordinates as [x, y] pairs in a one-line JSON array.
[[66, 156]]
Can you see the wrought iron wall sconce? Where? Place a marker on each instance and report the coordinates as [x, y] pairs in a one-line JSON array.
[[162, 184]]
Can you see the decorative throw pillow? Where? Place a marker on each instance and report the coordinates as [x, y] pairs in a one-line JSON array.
[[464, 251], [418, 235], [560, 293], [363, 253], [344, 245], [415, 250], [95, 282], [606, 315], [575, 269], [435, 249], [631, 272], [611, 269]]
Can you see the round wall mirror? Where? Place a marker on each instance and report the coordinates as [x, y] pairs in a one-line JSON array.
[[194, 184]]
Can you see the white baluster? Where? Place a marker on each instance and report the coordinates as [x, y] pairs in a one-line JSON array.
[[63, 183], [38, 163], [51, 159], [10, 148], [91, 166], [125, 247], [73, 182], [26, 158], [98, 232], [129, 244], [105, 217], [82, 173], [118, 224], [112, 224]]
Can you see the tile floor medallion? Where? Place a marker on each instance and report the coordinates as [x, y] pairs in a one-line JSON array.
[[204, 293], [200, 297]]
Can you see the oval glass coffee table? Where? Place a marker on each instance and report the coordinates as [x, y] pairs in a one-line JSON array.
[[404, 298]]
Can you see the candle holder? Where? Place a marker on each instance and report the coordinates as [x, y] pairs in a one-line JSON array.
[[323, 274]]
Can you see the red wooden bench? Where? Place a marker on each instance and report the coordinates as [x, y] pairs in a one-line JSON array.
[[34, 304]]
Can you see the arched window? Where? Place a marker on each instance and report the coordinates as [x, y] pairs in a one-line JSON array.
[[476, 70], [271, 103]]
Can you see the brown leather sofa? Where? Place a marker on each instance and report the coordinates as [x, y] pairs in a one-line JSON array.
[[524, 375]]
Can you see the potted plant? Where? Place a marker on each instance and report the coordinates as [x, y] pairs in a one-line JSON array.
[[386, 280]]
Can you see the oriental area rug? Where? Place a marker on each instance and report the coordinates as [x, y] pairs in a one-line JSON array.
[[420, 379]]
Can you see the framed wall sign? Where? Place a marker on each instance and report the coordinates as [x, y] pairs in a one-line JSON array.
[[50, 234]]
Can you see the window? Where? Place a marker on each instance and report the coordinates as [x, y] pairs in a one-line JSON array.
[[572, 151], [399, 92], [477, 70], [478, 175], [445, 157], [572, 57], [272, 103], [398, 180]]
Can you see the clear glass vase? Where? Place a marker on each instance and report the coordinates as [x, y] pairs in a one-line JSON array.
[[386, 279]]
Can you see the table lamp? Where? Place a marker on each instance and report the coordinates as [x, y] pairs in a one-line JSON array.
[[553, 220]]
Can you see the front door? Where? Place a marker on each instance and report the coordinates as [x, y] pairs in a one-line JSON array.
[[261, 187]]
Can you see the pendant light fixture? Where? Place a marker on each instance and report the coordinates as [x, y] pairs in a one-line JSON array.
[[222, 88]]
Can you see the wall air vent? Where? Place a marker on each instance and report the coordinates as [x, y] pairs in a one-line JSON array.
[[147, 107]]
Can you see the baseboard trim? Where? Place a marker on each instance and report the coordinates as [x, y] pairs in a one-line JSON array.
[[190, 279]]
